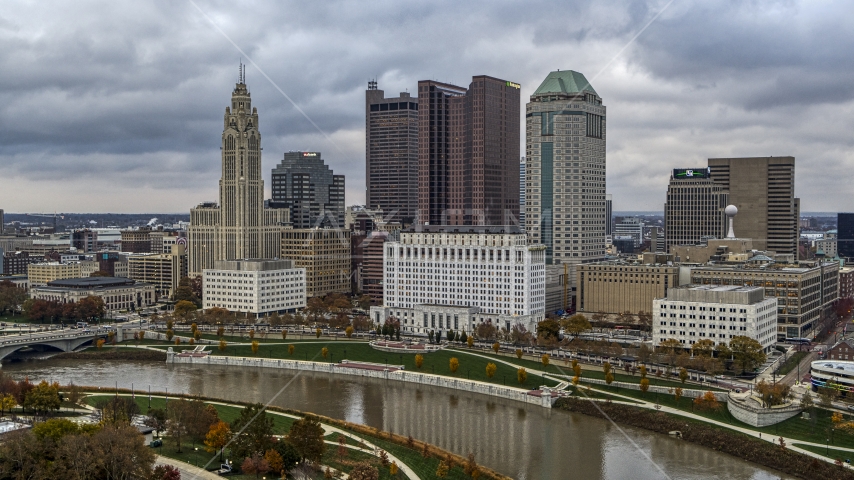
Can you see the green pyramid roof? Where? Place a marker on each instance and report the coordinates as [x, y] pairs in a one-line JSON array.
[[567, 81]]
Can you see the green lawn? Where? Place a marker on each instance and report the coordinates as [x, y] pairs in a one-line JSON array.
[[425, 467], [271, 338], [824, 451], [195, 454], [791, 363], [228, 414], [669, 400], [557, 367], [471, 367], [816, 430], [20, 318], [583, 392]]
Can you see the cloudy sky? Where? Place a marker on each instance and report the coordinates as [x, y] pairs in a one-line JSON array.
[[117, 106]]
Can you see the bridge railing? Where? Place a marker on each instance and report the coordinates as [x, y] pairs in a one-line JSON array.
[[35, 337]]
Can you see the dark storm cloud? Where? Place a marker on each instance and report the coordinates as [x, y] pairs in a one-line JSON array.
[[131, 95]]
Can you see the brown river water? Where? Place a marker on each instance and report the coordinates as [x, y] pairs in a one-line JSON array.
[[522, 441]]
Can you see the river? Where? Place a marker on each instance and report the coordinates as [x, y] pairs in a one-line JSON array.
[[522, 441]]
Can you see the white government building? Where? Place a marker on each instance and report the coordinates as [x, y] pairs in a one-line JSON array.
[[259, 287], [718, 313], [444, 278]]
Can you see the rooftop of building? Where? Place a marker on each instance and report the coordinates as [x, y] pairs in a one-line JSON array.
[[718, 288], [835, 364], [253, 264], [465, 229], [776, 267], [566, 81], [91, 282]]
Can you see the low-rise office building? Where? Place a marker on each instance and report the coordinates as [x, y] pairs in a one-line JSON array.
[[43, 273], [439, 278], [118, 293], [136, 241], [717, 313], [16, 263], [258, 287], [804, 291], [324, 253], [164, 271], [615, 287]]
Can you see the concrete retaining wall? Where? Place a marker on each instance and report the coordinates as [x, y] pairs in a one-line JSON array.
[[760, 417], [510, 393], [152, 335]]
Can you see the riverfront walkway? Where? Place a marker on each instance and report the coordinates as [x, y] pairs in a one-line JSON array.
[[192, 472], [635, 402]]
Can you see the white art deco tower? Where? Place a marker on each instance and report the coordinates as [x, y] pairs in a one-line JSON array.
[[239, 227]]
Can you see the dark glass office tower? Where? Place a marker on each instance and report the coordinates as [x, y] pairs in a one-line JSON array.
[[303, 183]]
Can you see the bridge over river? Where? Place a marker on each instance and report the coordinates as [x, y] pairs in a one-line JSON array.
[[66, 340]]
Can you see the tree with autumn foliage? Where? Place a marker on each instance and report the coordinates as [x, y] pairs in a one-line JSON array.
[[218, 436], [306, 435], [490, 369], [453, 364], [256, 464], [606, 368], [707, 401], [419, 361]]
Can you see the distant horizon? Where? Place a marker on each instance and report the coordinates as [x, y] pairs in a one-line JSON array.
[[615, 213]]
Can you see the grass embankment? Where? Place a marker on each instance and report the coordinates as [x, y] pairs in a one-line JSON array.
[[272, 337], [717, 438], [470, 366], [19, 318], [791, 363], [560, 367], [421, 458], [817, 430], [830, 453], [115, 353]]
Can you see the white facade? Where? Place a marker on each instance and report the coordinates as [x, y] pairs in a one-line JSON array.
[[716, 313], [254, 286], [476, 274]]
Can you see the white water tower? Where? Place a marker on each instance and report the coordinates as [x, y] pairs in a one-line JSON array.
[[731, 211]]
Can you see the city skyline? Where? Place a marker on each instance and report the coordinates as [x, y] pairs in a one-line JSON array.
[[154, 99]]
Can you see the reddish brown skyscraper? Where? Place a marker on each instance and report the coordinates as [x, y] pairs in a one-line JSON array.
[[468, 144]]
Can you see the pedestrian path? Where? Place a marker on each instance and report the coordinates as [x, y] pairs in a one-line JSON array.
[[188, 471], [371, 449], [753, 433]]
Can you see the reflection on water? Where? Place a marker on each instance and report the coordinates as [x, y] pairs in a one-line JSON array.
[[522, 441]]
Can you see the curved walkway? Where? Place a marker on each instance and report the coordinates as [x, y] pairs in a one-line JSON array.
[[673, 411], [327, 429], [187, 471]]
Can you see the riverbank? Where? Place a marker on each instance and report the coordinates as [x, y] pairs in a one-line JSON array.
[[420, 457], [743, 446], [115, 353], [514, 439]]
